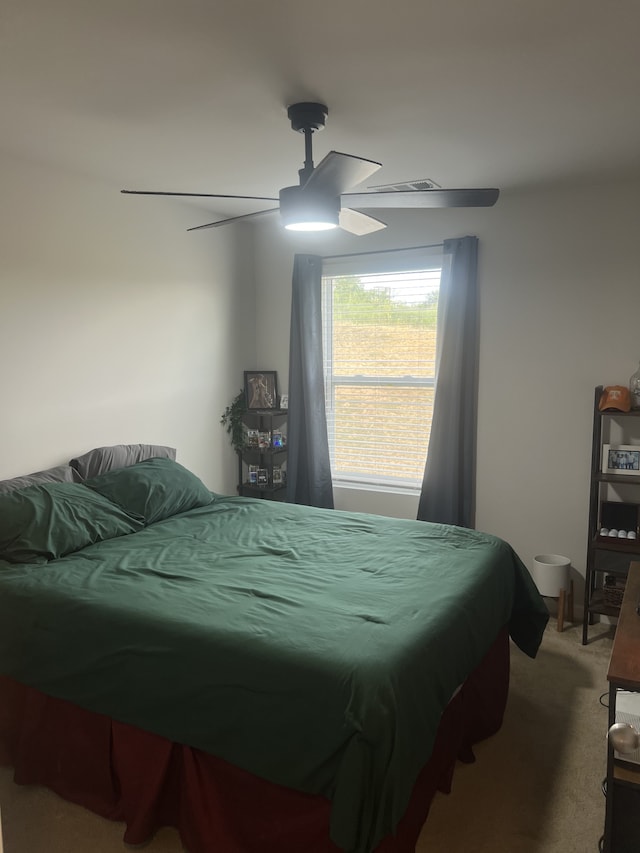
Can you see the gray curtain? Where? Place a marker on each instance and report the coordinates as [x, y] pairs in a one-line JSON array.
[[308, 466], [448, 487]]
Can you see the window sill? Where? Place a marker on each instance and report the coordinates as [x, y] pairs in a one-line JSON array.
[[384, 488], [376, 499]]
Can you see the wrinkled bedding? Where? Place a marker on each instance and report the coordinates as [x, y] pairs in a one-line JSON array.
[[315, 648]]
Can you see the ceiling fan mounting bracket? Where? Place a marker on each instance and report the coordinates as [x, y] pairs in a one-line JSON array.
[[307, 116]]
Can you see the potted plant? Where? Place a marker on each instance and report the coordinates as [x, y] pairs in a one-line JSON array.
[[232, 420]]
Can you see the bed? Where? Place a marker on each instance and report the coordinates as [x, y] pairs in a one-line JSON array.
[[261, 675]]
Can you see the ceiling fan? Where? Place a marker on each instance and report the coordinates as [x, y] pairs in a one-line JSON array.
[[321, 200]]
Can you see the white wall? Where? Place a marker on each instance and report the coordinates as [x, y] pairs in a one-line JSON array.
[[116, 326], [560, 313]]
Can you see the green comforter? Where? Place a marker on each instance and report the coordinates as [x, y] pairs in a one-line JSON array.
[[314, 648]]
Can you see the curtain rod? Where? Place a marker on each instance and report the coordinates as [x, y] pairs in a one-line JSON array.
[[381, 251]]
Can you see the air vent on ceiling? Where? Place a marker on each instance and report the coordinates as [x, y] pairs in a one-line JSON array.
[[408, 186]]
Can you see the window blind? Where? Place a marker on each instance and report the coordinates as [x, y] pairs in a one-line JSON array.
[[379, 340]]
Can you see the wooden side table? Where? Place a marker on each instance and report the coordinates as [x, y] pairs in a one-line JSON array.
[[622, 819]]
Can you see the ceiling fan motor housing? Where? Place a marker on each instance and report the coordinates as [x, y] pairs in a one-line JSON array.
[[307, 116], [298, 204]]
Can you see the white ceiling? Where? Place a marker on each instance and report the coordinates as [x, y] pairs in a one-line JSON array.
[[191, 95]]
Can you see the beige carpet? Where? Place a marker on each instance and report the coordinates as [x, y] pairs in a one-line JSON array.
[[535, 788], [536, 785]]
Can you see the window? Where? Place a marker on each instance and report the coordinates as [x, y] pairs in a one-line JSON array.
[[379, 338]]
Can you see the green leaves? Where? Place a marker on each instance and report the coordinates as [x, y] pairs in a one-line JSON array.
[[232, 420]]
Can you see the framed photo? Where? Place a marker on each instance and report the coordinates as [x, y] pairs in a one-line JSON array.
[[264, 440], [260, 389], [253, 438], [284, 401], [621, 459]]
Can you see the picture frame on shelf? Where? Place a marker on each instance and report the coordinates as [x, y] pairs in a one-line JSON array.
[[260, 389], [264, 439], [284, 401], [621, 459], [252, 438]]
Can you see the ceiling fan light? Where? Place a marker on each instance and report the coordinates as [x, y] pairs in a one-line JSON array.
[[308, 211], [310, 226]]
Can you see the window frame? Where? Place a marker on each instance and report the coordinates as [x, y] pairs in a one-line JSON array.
[[429, 259]]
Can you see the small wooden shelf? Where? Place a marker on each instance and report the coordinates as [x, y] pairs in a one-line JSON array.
[[627, 546], [597, 605], [251, 450], [623, 771], [254, 487], [619, 479]]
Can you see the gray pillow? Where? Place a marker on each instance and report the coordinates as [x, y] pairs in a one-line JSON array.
[[102, 459], [59, 474]]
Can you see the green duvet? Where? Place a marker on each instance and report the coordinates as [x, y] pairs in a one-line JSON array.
[[314, 648]]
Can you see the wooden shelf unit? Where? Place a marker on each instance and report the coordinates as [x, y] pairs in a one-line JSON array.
[[265, 458], [607, 556]]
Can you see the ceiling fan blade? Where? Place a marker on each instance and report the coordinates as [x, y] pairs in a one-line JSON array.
[[483, 197], [336, 172], [200, 195], [242, 218], [359, 223]]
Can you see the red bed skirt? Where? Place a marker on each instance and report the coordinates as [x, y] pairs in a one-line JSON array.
[[126, 774]]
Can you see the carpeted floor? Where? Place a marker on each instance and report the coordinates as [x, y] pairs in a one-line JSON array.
[[535, 787]]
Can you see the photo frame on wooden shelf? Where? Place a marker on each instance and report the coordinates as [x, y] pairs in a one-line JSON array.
[[252, 437], [623, 459], [261, 389], [264, 439]]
